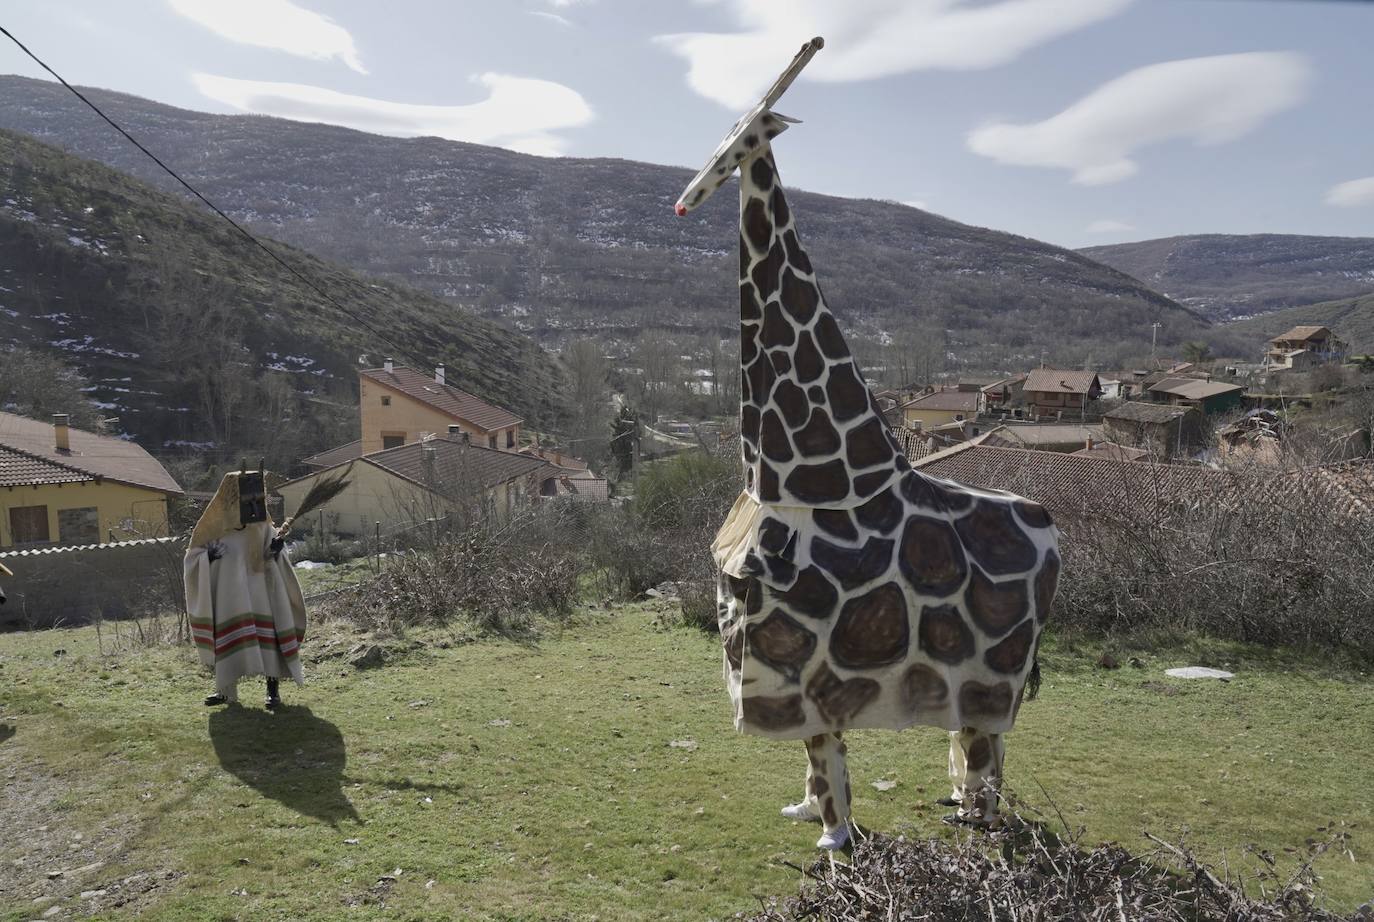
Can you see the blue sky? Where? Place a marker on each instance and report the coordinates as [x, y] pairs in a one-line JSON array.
[[1074, 121]]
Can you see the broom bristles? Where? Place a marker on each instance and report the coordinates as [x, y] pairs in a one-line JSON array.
[[324, 489]]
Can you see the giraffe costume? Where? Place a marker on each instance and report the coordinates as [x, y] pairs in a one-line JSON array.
[[853, 591]]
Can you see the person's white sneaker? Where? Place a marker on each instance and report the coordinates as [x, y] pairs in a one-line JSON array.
[[801, 813], [835, 839]]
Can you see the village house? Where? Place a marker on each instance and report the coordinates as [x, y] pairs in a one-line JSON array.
[[1303, 348], [1206, 396], [438, 477], [947, 405], [398, 405], [1003, 393], [1052, 392], [1063, 437], [66, 486], [1161, 429]]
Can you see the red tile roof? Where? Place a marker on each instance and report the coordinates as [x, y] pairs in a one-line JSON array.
[[1054, 381], [21, 470], [955, 401], [443, 397], [1194, 388], [96, 456], [337, 455]]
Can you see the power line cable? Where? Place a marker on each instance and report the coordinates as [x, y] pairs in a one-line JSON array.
[[400, 351]]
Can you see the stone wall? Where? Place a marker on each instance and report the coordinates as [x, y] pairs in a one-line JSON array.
[[75, 585]]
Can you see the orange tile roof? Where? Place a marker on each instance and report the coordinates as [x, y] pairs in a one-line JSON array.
[[332, 456], [445, 398], [1054, 381], [98, 457]]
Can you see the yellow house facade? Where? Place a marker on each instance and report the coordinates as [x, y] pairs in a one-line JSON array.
[[398, 405], [60, 485], [941, 407]]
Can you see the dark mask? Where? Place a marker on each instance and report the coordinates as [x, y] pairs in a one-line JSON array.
[[252, 498]]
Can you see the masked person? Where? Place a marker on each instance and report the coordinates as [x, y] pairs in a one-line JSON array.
[[246, 609]]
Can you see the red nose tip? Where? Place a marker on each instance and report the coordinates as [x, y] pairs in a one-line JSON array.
[[680, 208]]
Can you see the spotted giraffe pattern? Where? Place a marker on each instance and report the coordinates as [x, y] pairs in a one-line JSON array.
[[854, 592]]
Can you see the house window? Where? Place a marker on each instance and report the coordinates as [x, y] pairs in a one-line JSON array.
[[78, 526], [491, 441], [29, 524], [510, 438], [386, 400], [392, 441]]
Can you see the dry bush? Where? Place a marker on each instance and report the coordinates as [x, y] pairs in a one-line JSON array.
[[1023, 871], [1265, 556], [495, 578]]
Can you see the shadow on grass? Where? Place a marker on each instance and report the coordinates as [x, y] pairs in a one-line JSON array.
[[6, 731], [291, 756]]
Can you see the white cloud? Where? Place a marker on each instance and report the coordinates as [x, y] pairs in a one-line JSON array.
[[1352, 194], [1207, 100], [519, 113], [275, 24], [1108, 226], [552, 17], [866, 39]]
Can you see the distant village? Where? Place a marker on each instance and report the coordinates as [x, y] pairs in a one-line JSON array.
[[430, 452]]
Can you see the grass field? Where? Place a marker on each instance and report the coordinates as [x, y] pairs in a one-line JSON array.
[[499, 780]]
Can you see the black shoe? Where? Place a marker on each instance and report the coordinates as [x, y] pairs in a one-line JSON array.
[[273, 698], [948, 802], [215, 699]]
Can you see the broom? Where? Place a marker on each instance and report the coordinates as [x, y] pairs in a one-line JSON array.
[[325, 489]]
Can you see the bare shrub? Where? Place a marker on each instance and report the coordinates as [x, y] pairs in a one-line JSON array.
[[1259, 555]]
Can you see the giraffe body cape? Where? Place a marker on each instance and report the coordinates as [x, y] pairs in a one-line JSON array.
[[855, 592]]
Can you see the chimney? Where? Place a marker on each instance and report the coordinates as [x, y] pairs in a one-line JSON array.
[[558, 458], [387, 366], [439, 374], [61, 434], [454, 430], [1089, 445]]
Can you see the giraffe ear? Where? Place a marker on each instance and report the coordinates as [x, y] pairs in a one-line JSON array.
[[786, 118]]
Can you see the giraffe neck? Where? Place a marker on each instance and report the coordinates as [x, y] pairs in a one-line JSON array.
[[811, 434]]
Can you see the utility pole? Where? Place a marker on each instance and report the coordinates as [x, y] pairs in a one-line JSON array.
[[1154, 339]]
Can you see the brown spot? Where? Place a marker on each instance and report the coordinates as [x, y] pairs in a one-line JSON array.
[[757, 228], [782, 364], [748, 343], [818, 484], [782, 215], [838, 699], [782, 570], [768, 484], [996, 541], [979, 754], [817, 394], [745, 257], [808, 361], [799, 297], [749, 308], [774, 535], [765, 271], [749, 423], [819, 786], [795, 254], [977, 699], [870, 483], [761, 377], [828, 814], [853, 566], [777, 331], [944, 636], [791, 400], [1009, 657], [996, 607], [931, 558], [848, 396], [835, 522], [923, 689], [761, 173], [872, 630], [1033, 514], [774, 439], [818, 438], [829, 337], [780, 642], [732, 639], [770, 713], [931, 493], [1046, 581], [867, 444], [882, 513], [811, 594], [747, 591]]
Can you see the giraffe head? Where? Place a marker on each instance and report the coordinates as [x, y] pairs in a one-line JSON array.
[[748, 139]]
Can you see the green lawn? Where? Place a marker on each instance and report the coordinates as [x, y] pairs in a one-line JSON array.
[[511, 781]]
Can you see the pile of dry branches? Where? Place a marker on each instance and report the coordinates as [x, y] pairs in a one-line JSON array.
[[1023, 872]]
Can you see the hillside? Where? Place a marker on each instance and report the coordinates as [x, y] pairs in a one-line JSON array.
[[1351, 318], [1230, 275], [189, 334], [555, 246]]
